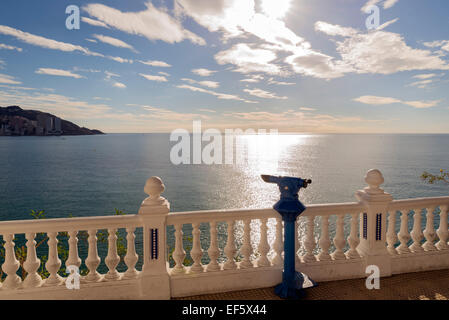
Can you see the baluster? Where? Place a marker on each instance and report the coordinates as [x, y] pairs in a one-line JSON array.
[[11, 265], [213, 251], [339, 240], [416, 233], [442, 231], [403, 234], [264, 246], [93, 260], [246, 248], [309, 243], [179, 254], [278, 244], [73, 259], [230, 250], [197, 252], [32, 263], [112, 259], [325, 242], [353, 239], [429, 231], [392, 238], [54, 263], [131, 256], [297, 244]]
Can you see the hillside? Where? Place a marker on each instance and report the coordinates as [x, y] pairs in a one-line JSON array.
[[17, 121]]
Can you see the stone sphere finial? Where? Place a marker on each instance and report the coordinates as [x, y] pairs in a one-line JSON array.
[[154, 187], [374, 179]]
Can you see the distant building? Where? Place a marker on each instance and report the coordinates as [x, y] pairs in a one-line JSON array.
[[48, 126]]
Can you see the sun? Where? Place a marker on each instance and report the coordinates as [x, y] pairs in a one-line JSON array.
[[275, 8]]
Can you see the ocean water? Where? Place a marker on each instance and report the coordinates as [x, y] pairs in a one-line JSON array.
[[94, 175]]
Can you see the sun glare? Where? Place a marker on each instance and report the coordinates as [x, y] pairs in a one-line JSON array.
[[275, 8]]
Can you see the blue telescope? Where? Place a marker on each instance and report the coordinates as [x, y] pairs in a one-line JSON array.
[[290, 208]]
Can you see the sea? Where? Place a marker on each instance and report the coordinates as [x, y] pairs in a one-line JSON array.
[[96, 175]]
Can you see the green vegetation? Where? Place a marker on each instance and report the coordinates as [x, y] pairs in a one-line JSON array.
[[431, 178]]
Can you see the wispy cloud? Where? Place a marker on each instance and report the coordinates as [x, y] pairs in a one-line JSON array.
[[152, 23], [44, 42], [209, 84], [114, 42], [155, 63], [58, 72], [223, 96], [4, 78], [264, 94], [376, 100], [93, 22], [119, 85], [8, 47], [203, 72], [153, 77]]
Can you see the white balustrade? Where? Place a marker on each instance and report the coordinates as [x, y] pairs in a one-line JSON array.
[[443, 233], [32, 263], [131, 256], [213, 251], [230, 249], [339, 239], [197, 252], [392, 238], [325, 242], [353, 239], [417, 234], [278, 244], [11, 265], [112, 260], [402, 258], [246, 250], [54, 263], [179, 254], [309, 242], [93, 260], [429, 231], [264, 246]]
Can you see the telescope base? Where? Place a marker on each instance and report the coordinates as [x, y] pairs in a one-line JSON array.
[[294, 289]]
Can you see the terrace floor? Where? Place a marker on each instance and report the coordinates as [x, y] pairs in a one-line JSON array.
[[428, 285]]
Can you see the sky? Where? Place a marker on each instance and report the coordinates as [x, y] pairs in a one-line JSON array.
[[291, 65]]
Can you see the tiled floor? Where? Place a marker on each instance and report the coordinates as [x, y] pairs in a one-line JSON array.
[[429, 285]]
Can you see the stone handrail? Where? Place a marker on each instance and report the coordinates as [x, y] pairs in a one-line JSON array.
[[334, 241]]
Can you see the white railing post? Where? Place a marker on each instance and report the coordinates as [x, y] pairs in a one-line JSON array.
[[154, 278], [373, 222]]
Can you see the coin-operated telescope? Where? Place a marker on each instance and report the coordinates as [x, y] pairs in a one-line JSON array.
[[290, 208]]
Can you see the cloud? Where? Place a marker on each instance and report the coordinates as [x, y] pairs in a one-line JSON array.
[[443, 44], [425, 76], [114, 42], [44, 42], [263, 94], [120, 60], [58, 72], [315, 64], [4, 78], [209, 84], [421, 84], [155, 63], [375, 100], [222, 96], [387, 24], [307, 109], [207, 110], [119, 85], [379, 52], [8, 47], [154, 78], [387, 4], [152, 23], [280, 83], [203, 72], [164, 73], [248, 59], [110, 75], [93, 22]]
